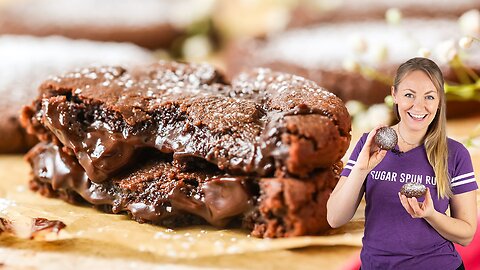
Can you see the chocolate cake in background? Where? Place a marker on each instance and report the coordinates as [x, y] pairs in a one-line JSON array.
[[27, 61], [148, 23], [374, 49], [308, 12], [175, 145]]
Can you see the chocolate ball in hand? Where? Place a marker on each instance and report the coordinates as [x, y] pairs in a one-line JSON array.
[[386, 138]]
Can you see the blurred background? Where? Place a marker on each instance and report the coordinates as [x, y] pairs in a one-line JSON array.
[[350, 47]]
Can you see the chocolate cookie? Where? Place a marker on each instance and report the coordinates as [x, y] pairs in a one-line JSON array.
[[267, 137], [148, 23], [328, 54], [27, 61], [386, 138], [413, 190]]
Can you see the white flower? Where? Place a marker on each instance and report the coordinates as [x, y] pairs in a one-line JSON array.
[[393, 16], [446, 51], [377, 114], [351, 65], [388, 100], [470, 22], [465, 42], [424, 52], [354, 107], [197, 47], [360, 122]]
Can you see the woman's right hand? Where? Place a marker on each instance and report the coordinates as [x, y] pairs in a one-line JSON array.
[[370, 155], [348, 193], [345, 198]]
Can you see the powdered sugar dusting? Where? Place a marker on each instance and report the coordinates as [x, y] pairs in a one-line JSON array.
[[386, 138], [283, 91], [413, 190], [264, 80], [162, 81]]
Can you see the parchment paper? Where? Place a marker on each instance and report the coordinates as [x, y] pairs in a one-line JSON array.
[[19, 205]]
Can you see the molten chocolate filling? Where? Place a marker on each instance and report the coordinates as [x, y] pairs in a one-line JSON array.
[[103, 148], [215, 197]]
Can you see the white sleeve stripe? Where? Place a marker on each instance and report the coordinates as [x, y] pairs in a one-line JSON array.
[[463, 182], [462, 176], [352, 162], [348, 167]]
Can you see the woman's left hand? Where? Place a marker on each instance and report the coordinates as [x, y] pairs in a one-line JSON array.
[[418, 209]]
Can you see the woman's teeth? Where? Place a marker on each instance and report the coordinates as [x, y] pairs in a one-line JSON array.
[[417, 116]]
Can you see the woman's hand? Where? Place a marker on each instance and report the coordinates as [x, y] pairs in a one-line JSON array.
[[345, 198], [417, 209], [371, 154]]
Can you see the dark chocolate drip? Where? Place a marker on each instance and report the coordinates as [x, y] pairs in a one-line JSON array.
[[103, 151], [50, 165], [100, 152], [217, 199], [43, 224], [223, 198]]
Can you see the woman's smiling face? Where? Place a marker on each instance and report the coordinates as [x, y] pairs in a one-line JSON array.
[[417, 100]]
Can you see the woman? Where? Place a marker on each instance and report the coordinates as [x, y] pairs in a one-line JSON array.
[[400, 232]]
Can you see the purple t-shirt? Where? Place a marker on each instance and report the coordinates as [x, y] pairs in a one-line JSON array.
[[392, 238]]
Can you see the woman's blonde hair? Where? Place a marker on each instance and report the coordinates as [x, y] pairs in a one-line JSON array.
[[436, 137]]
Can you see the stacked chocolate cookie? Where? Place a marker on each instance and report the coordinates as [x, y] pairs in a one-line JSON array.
[[175, 145]]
